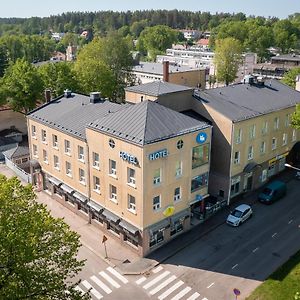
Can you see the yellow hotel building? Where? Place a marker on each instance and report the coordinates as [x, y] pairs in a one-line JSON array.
[[134, 170]]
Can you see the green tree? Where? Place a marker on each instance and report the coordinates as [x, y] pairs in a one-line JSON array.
[[22, 86], [38, 254], [296, 118], [137, 27], [227, 59], [3, 59], [289, 78]]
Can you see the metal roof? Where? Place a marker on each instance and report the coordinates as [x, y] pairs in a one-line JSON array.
[[146, 122], [157, 88], [244, 101]]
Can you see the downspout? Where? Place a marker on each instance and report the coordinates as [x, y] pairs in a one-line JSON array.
[[231, 142]]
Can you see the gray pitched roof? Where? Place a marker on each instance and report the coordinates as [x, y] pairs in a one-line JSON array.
[[157, 68], [243, 101], [17, 152], [157, 88], [147, 122], [290, 57], [71, 115]]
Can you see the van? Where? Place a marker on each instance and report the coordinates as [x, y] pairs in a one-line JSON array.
[[272, 192]]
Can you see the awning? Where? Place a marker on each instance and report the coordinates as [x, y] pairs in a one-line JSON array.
[[110, 216], [80, 197], [249, 167], [127, 226], [160, 225], [55, 181], [67, 188], [180, 215], [198, 199], [95, 206]]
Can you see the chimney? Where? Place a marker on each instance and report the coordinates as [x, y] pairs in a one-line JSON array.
[[67, 93], [47, 95], [166, 71], [94, 97]]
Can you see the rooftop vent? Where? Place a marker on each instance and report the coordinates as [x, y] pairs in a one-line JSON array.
[[94, 97], [67, 93]]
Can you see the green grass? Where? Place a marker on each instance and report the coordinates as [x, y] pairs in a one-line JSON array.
[[282, 284]]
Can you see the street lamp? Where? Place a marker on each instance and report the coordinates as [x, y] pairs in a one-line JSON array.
[[290, 166]]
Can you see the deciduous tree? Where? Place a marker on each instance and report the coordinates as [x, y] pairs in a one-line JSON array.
[[289, 78]]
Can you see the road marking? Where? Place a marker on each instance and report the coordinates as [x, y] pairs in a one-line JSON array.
[[274, 234], [210, 285], [290, 221], [141, 280], [77, 288], [182, 293], [109, 279], [162, 285], [155, 280], [156, 270], [194, 296], [118, 275], [255, 250], [204, 299], [103, 286], [170, 290], [92, 290], [234, 266]]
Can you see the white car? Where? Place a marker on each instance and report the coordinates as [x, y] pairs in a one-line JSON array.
[[239, 215]]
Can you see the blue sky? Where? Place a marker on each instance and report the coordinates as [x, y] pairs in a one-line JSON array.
[[43, 8]]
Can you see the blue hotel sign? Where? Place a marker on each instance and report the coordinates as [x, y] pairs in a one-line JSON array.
[[201, 137], [128, 157], [158, 154]]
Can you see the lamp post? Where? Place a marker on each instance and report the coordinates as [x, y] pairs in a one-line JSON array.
[[292, 167]]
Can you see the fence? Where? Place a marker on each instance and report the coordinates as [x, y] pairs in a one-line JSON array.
[[19, 172]]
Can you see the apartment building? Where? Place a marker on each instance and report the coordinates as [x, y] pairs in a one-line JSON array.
[[132, 170]]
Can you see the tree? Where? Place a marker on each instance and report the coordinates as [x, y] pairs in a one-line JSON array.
[[296, 118], [38, 254], [227, 59], [3, 59], [22, 86], [289, 78]]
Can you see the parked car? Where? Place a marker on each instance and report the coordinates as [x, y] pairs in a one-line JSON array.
[[239, 215], [272, 192]]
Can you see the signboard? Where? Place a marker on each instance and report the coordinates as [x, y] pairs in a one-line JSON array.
[[104, 239], [237, 292], [128, 157], [158, 154], [201, 137], [276, 158], [169, 211]]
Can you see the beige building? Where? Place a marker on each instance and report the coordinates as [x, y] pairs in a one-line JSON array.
[[135, 171]]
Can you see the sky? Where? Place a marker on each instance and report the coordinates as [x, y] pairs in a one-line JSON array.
[[43, 8]]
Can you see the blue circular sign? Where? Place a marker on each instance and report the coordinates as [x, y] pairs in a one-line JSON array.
[[201, 137]]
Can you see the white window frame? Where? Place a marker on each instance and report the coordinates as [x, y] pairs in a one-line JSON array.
[[96, 186], [55, 141], [178, 171], [157, 179], [56, 162], [80, 153], [112, 171], [294, 135], [263, 147], [34, 150], [287, 120], [274, 143], [44, 136], [156, 206], [131, 179], [284, 139], [45, 156], [276, 123], [33, 131], [68, 169], [113, 195], [96, 162], [250, 153], [236, 161], [264, 129], [67, 147], [131, 204], [238, 137], [81, 176], [177, 197], [252, 132]]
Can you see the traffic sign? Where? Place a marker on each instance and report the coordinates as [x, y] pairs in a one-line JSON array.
[[104, 239], [237, 292]]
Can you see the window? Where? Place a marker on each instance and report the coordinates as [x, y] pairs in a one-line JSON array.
[[111, 143], [274, 143], [264, 175], [264, 129], [263, 147], [131, 176], [252, 132], [198, 182], [113, 193], [276, 123], [157, 176], [235, 186], [131, 204], [237, 155], [176, 226], [96, 184], [156, 203], [80, 153], [180, 144], [250, 152], [68, 169], [44, 136], [112, 167], [284, 139], [35, 150], [294, 135], [178, 168], [287, 120], [177, 194], [96, 162], [33, 131], [81, 176], [238, 136], [67, 147], [200, 155], [156, 237], [45, 156], [54, 141], [56, 162]]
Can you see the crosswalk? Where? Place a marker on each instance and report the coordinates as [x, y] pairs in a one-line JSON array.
[[102, 284], [161, 284]]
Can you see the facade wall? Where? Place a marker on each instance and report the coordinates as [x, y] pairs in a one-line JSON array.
[[11, 118], [179, 101], [195, 78], [133, 97]]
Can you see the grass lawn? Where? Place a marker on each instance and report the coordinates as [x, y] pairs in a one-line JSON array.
[[282, 284]]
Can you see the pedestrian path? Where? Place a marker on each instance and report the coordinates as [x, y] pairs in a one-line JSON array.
[[161, 284], [102, 284]]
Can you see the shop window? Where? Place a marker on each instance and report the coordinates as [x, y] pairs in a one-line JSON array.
[[58, 191], [271, 170], [156, 237], [235, 186], [114, 228], [157, 176], [131, 239], [83, 208], [177, 226], [198, 182], [200, 155]]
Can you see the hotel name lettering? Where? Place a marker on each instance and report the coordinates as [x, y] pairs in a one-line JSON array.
[[158, 154], [128, 157]]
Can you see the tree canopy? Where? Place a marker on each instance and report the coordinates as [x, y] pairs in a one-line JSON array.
[[296, 118], [289, 77], [38, 254]]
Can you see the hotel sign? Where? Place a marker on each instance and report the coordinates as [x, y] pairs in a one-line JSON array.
[[158, 154], [128, 157], [201, 137]]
